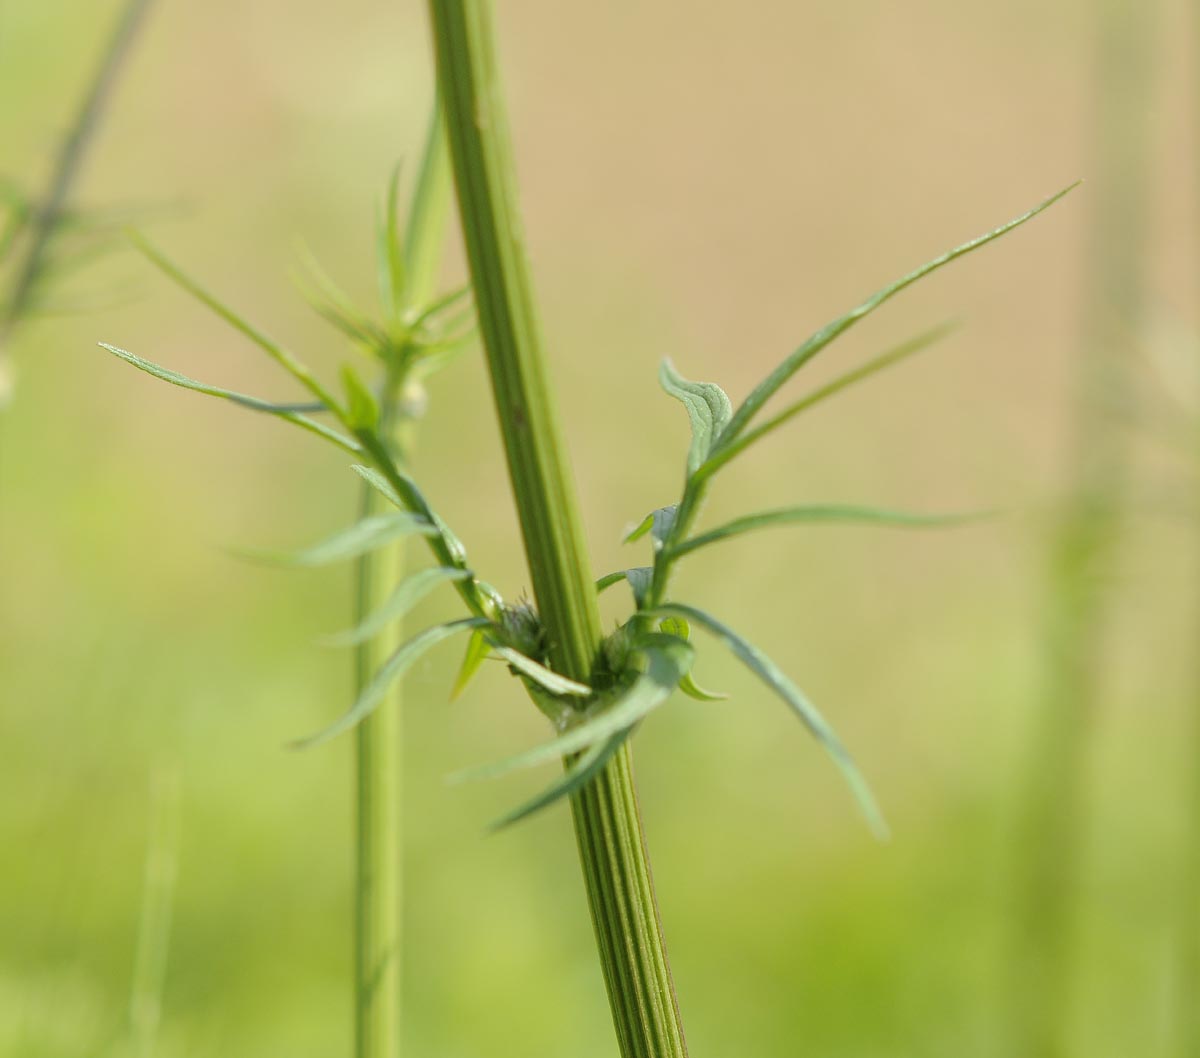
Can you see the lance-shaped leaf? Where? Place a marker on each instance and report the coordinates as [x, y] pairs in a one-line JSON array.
[[767, 388], [288, 412], [408, 593], [823, 513], [477, 651], [362, 409], [657, 523], [770, 673], [639, 578], [272, 348], [664, 660], [884, 360], [395, 667], [708, 409], [428, 317], [428, 215], [333, 305], [413, 500], [578, 774], [390, 251], [545, 678], [359, 539]]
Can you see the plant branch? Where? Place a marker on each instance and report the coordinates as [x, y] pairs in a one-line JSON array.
[[608, 826], [46, 214]]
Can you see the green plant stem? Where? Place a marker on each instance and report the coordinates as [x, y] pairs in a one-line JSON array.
[[48, 211], [378, 963], [607, 822], [1054, 820]]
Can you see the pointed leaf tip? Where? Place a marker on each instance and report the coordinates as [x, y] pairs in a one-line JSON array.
[[288, 412]]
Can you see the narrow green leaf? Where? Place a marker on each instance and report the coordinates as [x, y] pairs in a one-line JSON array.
[[331, 302], [887, 359], [770, 673], [428, 316], [287, 412], [395, 667], [639, 578], [361, 331], [390, 253], [545, 678], [277, 353], [665, 658], [767, 388], [708, 409], [577, 775], [380, 484], [364, 536], [415, 501], [478, 649], [428, 215], [408, 593], [657, 523], [824, 513], [436, 356], [362, 410]]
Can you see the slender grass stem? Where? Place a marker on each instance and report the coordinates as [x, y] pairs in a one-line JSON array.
[[607, 822], [48, 211], [1189, 911], [1083, 548], [154, 927]]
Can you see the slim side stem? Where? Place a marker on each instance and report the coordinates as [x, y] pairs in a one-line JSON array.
[[608, 825], [377, 889], [378, 962]]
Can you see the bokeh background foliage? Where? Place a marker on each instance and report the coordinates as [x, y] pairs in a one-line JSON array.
[[699, 184]]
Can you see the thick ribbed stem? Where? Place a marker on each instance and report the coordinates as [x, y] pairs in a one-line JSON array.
[[607, 823]]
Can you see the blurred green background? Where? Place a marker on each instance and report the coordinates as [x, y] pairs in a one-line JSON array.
[[701, 181]]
